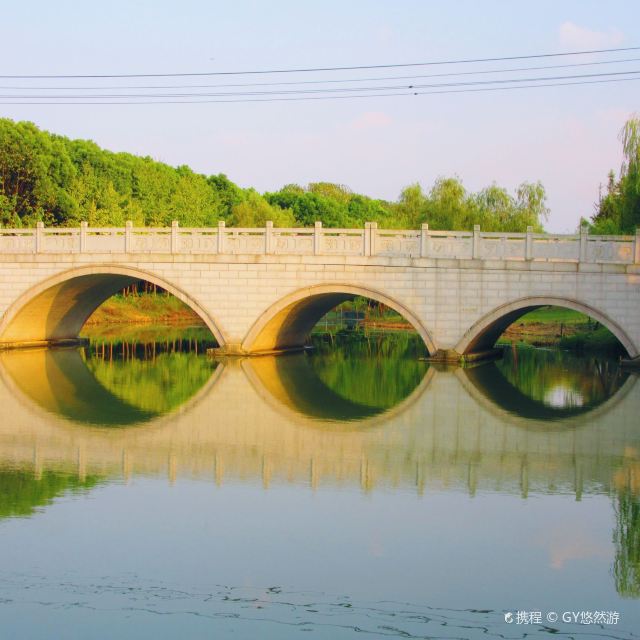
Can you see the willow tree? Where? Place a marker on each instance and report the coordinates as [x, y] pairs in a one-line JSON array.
[[619, 210]]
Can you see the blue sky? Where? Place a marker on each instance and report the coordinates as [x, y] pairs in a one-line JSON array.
[[565, 137]]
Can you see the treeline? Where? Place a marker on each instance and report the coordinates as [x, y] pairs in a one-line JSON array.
[[618, 211], [61, 182]]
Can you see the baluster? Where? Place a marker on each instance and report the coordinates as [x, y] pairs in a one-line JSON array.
[[39, 236], [83, 236], [174, 236], [373, 238], [128, 226], [317, 238], [268, 237], [424, 240], [367, 239], [584, 231], [476, 242], [221, 233]]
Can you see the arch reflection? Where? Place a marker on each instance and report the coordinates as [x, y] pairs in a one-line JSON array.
[[369, 379], [547, 385], [110, 392]]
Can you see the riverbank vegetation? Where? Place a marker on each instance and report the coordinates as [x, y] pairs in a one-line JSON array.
[[146, 305], [61, 182], [544, 327], [563, 328], [134, 305]]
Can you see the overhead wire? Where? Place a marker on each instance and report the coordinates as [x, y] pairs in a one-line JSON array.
[[343, 97], [236, 94], [318, 69], [323, 81]]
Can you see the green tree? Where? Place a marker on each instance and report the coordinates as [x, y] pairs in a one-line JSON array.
[[255, 211], [619, 210], [63, 182], [412, 206]]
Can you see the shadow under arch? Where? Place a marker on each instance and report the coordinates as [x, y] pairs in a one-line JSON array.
[[57, 308], [291, 386], [483, 335], [287, 323]]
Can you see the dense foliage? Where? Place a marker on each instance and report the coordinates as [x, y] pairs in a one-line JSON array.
[[50, 178], [619, 210]]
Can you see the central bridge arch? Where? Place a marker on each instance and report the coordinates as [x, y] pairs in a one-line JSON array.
[[288, 322], [58, 307]]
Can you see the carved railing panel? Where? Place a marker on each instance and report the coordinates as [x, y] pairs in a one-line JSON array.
[[397, 243], [610, 249], [450, 244], [292, 241], [556, 248], [343, 242], [196, 241], [104, 240], [150, 240], [502, 246], [243, 241], [60, 241], [17, 240]]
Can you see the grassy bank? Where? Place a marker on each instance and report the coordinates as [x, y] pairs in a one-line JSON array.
[[144, 308], [563, 328], [544, 327]]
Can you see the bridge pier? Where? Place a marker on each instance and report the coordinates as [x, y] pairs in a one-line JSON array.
[[38, 344], [631, 363], [236, 350], [451, 356]]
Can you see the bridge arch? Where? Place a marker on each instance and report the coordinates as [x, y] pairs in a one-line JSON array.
[[58, 307], [486, 331], [287, 323]]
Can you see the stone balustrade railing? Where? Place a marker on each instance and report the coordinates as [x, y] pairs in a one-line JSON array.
[[321, 241]]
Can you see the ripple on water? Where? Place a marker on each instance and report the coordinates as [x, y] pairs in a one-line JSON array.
[[274, 611]]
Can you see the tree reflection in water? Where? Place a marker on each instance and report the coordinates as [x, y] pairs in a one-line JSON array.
[[153, 375], [547, 384], [561, 379], [626, 536], [376, 369], [22, 491]]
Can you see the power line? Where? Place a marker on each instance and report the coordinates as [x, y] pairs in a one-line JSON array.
[[324, 81], [234, 94], [318, 69], [308, 98]]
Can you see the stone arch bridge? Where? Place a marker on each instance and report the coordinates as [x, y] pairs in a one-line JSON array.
[[262, 290]]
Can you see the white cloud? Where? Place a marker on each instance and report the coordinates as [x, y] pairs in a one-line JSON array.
[[372, 120], [574, 36]]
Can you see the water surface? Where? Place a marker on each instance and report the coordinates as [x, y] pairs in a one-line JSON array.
[[147, 491]]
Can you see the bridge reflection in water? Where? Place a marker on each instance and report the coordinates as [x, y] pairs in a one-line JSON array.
[[277, 420]]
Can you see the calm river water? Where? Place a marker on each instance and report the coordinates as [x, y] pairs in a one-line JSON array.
[[147, 491]]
